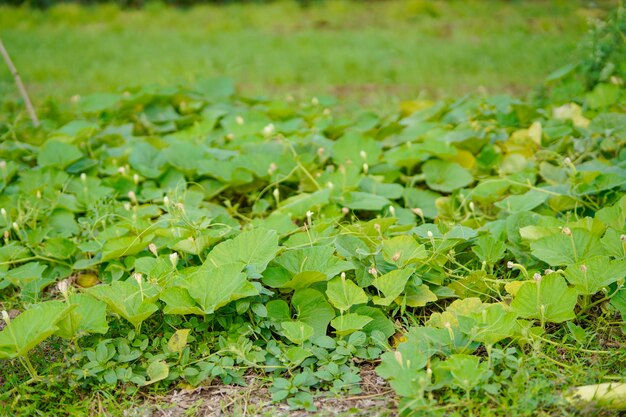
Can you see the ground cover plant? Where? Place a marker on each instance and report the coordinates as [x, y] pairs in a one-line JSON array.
[[471, 250]]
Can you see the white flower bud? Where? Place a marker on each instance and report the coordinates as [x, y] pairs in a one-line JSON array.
[[132, 197], [622, 238], [5, 317], [16, 226], [276, 193], [398, 356], [3, 212], [315, 101], [152, 248], [343, 275], [510, 265], [345, 210], [330, 185], [3, 164], [363, 154], [447, 325], [38, 194], [548, 271], [273, 167], [396, 256], [230, 137], [75, 98], [566, 231], [63, 288], [309, 217], [392, 211], [122, 170], [181, 207], [373, 271], [537, 276], [127, 206], [377, 227], [136, 179], [166, 202], [366, 168], [472, 207], [6, 235], [418, 212], [83, 178], [137, 277], [268, 130], [174, 259], [239, 120], [583, 268], [429, 234], [320, 151], [326, 112]]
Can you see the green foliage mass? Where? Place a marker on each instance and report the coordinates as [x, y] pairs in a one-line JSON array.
[[223, 233]]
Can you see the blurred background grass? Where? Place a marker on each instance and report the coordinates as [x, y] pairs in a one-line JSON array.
[[367, 51]]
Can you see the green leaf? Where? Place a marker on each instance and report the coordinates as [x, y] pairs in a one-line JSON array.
[[489, 250], [58, 154], [549, 299], [297, 331], [468, 372], [31, 328], [561, 249], [123, 246], [357, 200], [403, 250], [312, 308], [490, 325], [178, 301], [349, 323], [391, 284], [417, 296], [523, 202], [128, 300], [213, 288], [256, 248], [446, 176], [157, 371], [344, 293], [88, 315], [590, 276], [298, 205]]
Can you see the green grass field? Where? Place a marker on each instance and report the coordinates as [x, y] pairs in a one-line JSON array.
[[367, 50]]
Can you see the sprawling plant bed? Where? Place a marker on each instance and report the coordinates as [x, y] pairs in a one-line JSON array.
[[176, 236]]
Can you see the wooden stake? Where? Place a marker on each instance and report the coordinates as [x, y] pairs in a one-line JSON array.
[[20, 84]]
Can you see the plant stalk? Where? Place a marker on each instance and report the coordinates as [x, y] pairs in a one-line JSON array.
[[20, 85]]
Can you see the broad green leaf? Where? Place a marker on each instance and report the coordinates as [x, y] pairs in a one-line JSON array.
[[357, 200], [349, 323], [468, 372], [58, 154], [297, 331], [178, 301], [403, 250], [548, 300], [213, 288], [489, 249], [491, 325], [562, 249], [312, 308], [31, 328], [391, 284], [127, 299], [298, 205], [256, 248], [123, 246], [590, 276], [88, 315], [344, 293], [417, 296], [24, 274], [446, 176], [524, 202]]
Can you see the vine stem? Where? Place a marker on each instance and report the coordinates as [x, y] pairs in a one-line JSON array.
[[20, 85]]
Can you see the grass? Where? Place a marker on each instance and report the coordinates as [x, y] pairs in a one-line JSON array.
[[376, 50]]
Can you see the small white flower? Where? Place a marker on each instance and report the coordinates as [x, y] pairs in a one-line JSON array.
[[83, 177], [273, 167], [429, 234], [230, 137], [152, 248], [537, 276], [5, 317], [309, 217], [174, 259], [373, 271], [366, 168], [392, 211], [239, 120], [548, 271], [326, 112], [447, 325], [510, 265], [3, 212], [566, 231], [269, 129], [315, 101], [138, 277], [136, 179], [583, 268], [345, 210], [166, 202], [181, 207], [132, 197], [16, 226], [343, 275], [38, 194], [127, 206], [122, 170], [471, 206], [363, 154], [330, 185], [276, 193], [567, 161], [418, 211]]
